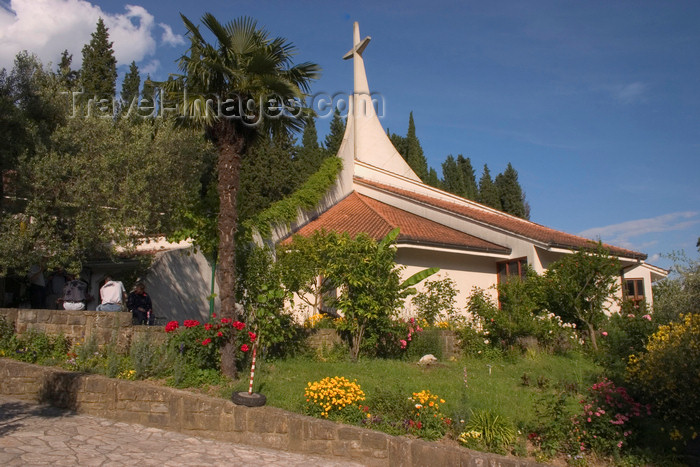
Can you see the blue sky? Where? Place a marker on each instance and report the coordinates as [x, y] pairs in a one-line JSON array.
[[596, 104]]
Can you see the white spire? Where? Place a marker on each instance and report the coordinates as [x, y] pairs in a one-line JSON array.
[[364, 138]]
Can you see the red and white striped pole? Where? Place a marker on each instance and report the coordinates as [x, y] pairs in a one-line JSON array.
[[252, 369]]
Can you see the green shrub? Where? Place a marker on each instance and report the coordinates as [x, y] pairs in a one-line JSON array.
[[605, 423], [625, 334], [668, 373], [38, 347], [425, 342], [436, 302], [496, 431]]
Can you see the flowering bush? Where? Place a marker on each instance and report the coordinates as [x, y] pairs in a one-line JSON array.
[[625, 333], [199, 345], [336, 398], [604, 424], [471, 439], [426, 420], [668, 373]]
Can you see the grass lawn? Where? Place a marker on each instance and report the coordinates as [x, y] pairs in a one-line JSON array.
[[392, 381]]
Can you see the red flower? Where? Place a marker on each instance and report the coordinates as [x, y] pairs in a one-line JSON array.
[[238, 325], [419, 425], [206, 341], [225, 320], [171, 326], [213, 315], [252, 336], [245, 348], [220, 334], [191, 323], [207, 326]]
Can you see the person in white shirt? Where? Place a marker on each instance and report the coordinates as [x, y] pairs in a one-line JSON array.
[[112, 295]]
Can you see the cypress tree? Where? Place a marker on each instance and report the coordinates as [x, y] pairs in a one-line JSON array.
[[468, 177], [488, 194], [399, 142], [131, 85], [335, 136], [414, 152], [310, 155], [452, 180], [433, 179], [510, 192], [98, 75], [267, 175], [67, 76]]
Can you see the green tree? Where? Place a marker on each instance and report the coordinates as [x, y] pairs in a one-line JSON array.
[[433, 179], [131, 85], [488, 194], [95, 189], [310, 155], [98, 75], [468, 177], [437, 301], [452, 177], [511, 193], [335, 135], [246, 67], [29, 112], [68, 76], [679, 293], [414, 152], [580, 286], [362, 273], [268, 174]]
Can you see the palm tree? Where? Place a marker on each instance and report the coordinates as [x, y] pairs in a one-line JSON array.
[[238, 89]]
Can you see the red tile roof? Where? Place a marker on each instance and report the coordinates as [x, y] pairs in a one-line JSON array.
[[522, 227], [358, 213]]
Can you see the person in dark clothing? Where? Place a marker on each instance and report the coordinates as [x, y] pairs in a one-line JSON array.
[[139, 303]]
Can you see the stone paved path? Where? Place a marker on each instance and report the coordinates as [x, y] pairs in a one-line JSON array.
[[41, 435]]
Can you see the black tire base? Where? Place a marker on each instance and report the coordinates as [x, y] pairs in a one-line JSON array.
[[249, 400]]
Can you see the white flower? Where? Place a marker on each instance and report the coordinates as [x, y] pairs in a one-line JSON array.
[[486, 341]]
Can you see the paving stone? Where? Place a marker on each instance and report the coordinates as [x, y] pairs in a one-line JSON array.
[[39, 435]]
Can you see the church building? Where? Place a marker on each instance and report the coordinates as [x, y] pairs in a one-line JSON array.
[[472, 244]]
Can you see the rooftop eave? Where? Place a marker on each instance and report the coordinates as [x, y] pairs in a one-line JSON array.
[[454, 249]]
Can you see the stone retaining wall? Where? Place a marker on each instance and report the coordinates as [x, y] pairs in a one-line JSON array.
[[105, 327], [198, 415]]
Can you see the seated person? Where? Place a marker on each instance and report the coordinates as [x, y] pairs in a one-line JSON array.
[[75, 295], [139, 303], [112, 294]]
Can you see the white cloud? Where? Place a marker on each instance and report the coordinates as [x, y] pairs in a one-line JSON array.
[[47, 27], [630, 93], [169, 37], [622, 233], [150, 67]]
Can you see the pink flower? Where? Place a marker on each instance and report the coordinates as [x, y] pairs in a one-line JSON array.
[[206, 341], [245, 347], [647, 317], [604, 333], [589, 419], [619, 445], [403, 343]]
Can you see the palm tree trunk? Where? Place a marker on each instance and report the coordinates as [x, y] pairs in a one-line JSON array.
[[229, 164]]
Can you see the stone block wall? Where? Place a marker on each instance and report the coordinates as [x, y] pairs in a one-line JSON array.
[[78, 326], [198, 415]]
